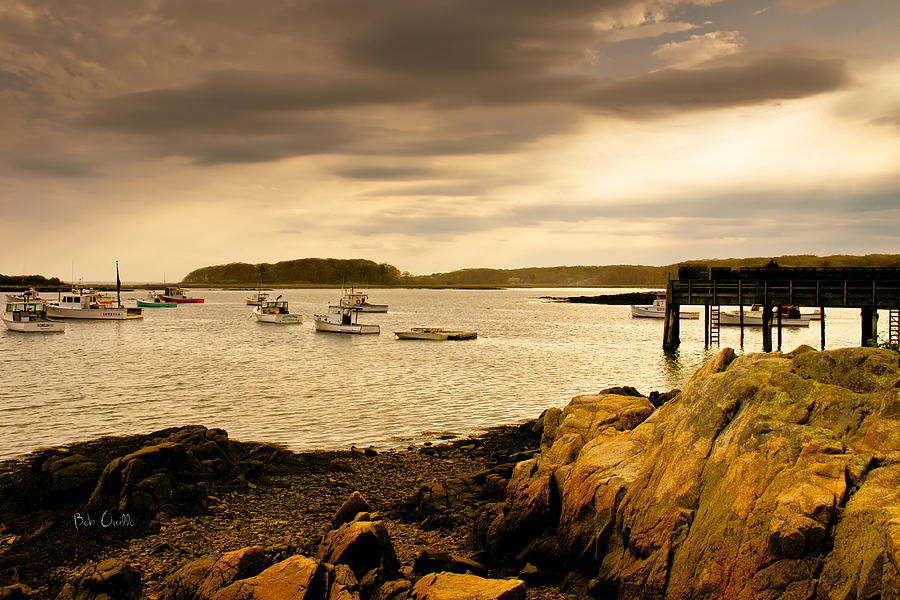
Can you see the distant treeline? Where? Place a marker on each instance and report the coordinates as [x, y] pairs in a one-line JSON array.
[[334, 271], [310, 271], [26, 281], [638, 275], [614, 275]]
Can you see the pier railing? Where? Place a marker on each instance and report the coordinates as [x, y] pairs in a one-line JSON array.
[[847, 293], [866, 288]]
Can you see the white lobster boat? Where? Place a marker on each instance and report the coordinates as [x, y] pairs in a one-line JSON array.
[[753, 318], [343, 320], [258, 299], [89, 304], [359, 302], [30, 294], [28, 314], [276, 311], [657, 310]]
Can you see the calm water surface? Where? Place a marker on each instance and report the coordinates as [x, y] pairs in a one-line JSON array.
[[213, 364]]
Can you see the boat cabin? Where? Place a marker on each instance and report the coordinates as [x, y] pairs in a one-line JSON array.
[[274, 307], [351, 299], [26, 310], [80, 299]]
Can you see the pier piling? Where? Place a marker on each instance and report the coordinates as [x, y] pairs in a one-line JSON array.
[[866, 288]]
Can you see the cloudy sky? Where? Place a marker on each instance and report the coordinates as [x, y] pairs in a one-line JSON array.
[[442, 134]]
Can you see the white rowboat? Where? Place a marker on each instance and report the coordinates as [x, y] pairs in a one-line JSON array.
[[435, 333]]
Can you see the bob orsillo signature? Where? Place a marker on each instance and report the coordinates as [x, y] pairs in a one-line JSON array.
[[107, 519]]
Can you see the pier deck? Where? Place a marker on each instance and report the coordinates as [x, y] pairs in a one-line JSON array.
[[866, 288]]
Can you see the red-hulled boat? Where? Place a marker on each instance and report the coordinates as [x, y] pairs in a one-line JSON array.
[[176, 294]]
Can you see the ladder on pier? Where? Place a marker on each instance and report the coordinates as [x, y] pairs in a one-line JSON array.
[[714, 325], [894, 326]]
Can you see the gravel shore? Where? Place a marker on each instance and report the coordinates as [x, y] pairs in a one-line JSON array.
[[287, 508]]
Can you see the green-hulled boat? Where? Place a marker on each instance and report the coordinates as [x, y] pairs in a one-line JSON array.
[[155, 301]]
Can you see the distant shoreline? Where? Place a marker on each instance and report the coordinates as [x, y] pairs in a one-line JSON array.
[[232, 287]]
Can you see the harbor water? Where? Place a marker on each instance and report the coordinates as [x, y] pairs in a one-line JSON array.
[[213, 364]]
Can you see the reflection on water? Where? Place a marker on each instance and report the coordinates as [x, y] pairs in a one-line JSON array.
[[213, 364]]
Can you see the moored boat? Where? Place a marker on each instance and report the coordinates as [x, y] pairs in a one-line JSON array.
[[276, 311], [753, 318], [435, 333], [155, 300], [29, 294], [657, 310], [89, 304], [257, 299], [359, 302], [343, 320], [29, 315], [176, 294]]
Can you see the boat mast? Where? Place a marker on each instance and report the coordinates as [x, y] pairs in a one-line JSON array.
[[118, 287]]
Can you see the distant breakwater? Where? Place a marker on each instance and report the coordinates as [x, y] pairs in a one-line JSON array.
[[617, 299]]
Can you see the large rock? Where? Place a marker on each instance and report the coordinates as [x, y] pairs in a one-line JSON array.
[[768, 476], [352, 506], [168, 477], [453, 586], [152, 480], [247, 574], [71, 474], [104, 581], [295, 577], [362, 545], [555, 495], [231, 567], [183, 583]]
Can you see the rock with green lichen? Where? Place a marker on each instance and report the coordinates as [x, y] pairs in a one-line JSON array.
[[768, 476]]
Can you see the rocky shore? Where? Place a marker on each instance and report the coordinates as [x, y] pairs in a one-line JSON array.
[[139, 508], [768, 476]]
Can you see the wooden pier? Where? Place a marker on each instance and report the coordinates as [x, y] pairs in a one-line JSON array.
[[865, 288]]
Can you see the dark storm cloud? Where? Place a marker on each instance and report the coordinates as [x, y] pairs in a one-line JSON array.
[[737, 81], [441, 61], [892, 118], [52, 167], [371, 173], [11, 81], [467, 37], [298, 114], [233, 102], [750, 214]]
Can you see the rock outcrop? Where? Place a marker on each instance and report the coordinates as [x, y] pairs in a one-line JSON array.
[[355, 560], [768, 476], [170, 477], [165, 473]]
